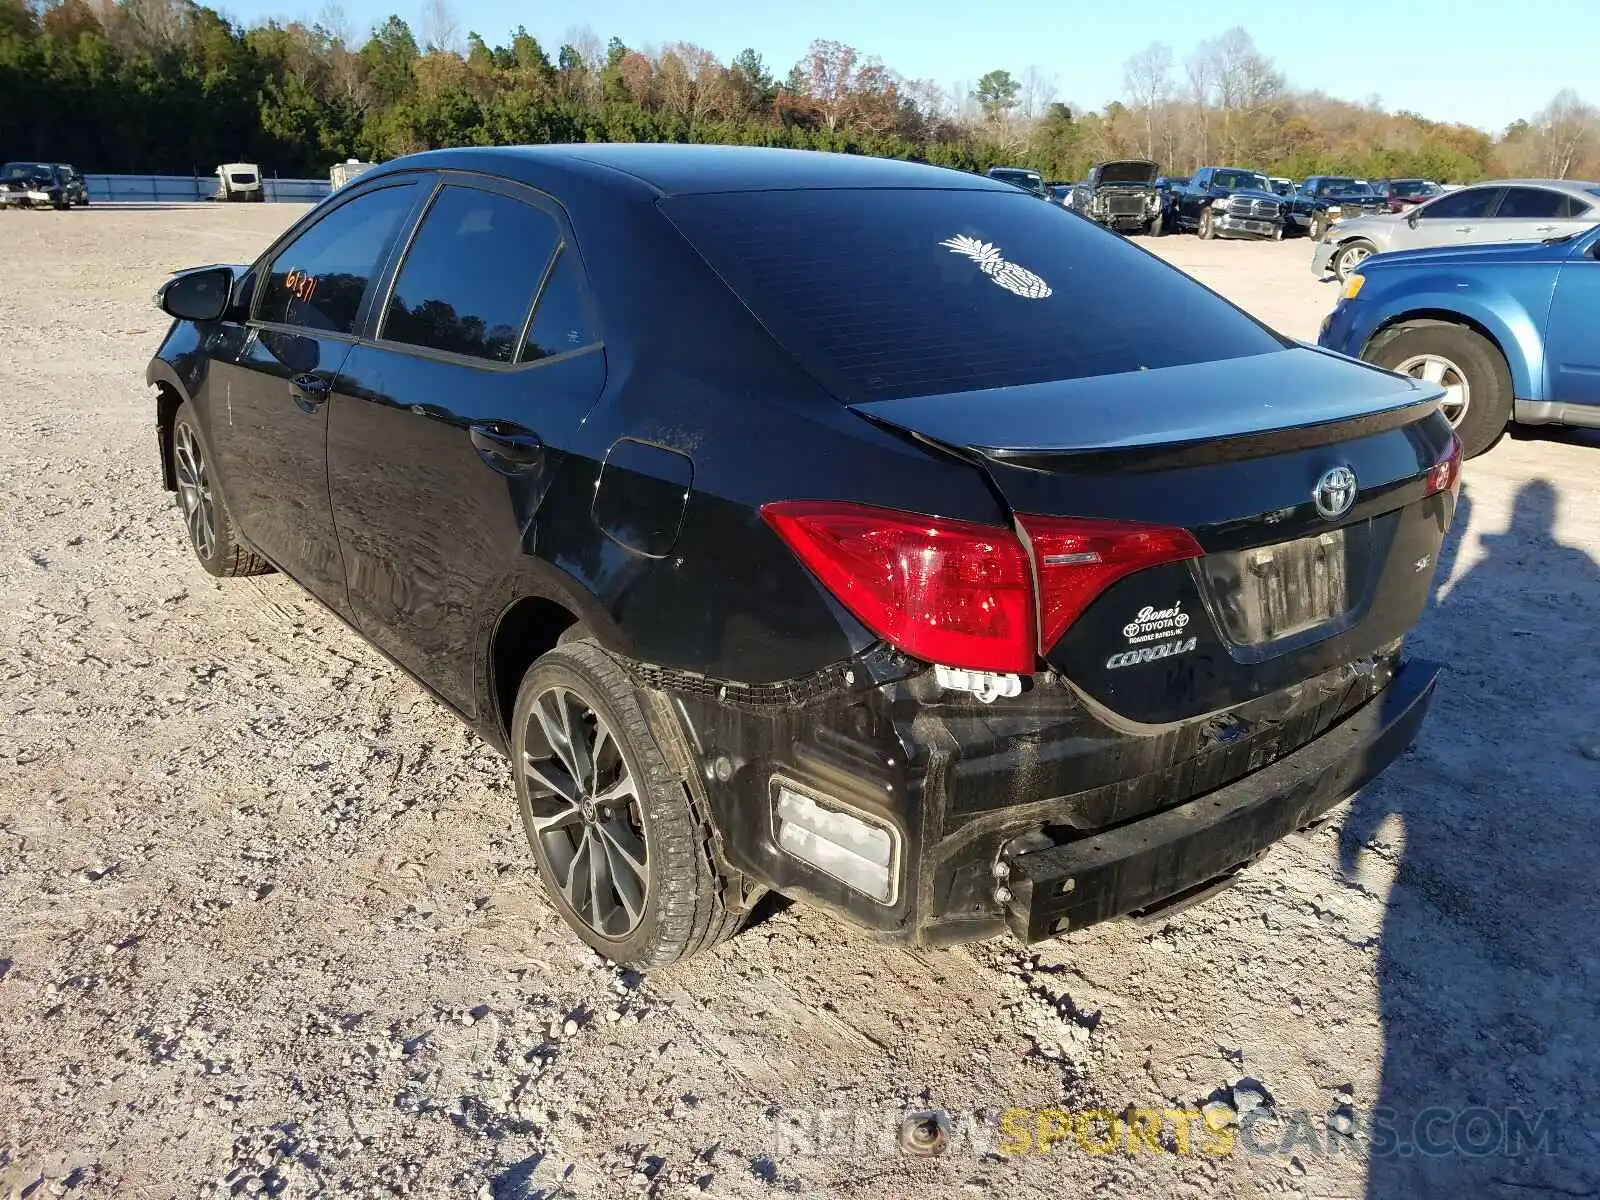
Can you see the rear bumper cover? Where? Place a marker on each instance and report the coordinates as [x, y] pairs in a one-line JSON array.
[[1039, 785], [1153, 859]]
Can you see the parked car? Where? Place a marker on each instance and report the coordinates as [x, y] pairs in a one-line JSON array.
[[1402, 194], [1323, 199], [239, 181], [1507, 330], [1061, 193], [917, 563], [1229, 202], [74, 188], [1280, 186], [1121, 194], [1020, 177], [342, 173], [1510, 210], [33, 185]]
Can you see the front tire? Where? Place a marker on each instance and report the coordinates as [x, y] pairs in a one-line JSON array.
[[1316, 228], [623, 855], [1348, 257], [1208, 227], [1157, 225], [1466, 364], [205, 511]]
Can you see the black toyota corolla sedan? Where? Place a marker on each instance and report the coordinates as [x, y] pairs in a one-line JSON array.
[[861, 530]]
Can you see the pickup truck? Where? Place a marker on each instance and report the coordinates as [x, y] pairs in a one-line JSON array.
[[1324, 199], [1230, 202]]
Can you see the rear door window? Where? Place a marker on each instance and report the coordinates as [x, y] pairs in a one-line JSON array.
[[469, 278], [1526, 203], [890, 293], [317, 281]]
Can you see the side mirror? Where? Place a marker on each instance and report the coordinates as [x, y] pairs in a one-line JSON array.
[[202, 294]]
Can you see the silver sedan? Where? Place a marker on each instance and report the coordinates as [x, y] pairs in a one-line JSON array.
[[1506, 210]]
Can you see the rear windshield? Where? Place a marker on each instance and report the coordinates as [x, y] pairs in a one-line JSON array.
[[894, 293]]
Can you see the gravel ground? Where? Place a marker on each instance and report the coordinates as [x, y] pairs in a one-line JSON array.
[[268, 924]]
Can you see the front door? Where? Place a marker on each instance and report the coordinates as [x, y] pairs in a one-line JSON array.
[[1454, 219], [448, 426], [271, 395], [1571, 347]]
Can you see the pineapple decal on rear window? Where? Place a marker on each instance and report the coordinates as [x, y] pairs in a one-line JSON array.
[[1017, 280]]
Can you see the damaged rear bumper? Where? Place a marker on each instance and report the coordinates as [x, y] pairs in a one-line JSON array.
[[1158, 858], [984, 813]]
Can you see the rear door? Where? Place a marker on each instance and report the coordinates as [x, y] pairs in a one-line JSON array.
[[1531, 214], [270, 386], [1454, 219], [449, 421]]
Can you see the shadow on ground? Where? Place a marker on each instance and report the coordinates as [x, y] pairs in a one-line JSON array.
[[1489, 962]]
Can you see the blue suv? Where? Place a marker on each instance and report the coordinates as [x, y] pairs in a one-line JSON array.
[[1510, 331]]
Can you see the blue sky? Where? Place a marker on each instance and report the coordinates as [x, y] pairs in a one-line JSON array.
[[1462, 60]]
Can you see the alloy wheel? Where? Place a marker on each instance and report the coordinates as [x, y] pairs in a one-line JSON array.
[[585, 811], [1434, 368], [194, 491], [1350, 259]]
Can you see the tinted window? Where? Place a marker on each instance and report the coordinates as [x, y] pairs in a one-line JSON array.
[[317, 281], [1472, 202], [1529, 203], [1574, 207], [560, 320], [469, 277], [904, 293]]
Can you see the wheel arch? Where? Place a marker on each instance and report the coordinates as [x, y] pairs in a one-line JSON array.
[[523, 619], [1487, 325], [169, 399]]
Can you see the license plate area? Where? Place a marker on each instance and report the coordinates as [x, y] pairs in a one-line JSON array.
[[1266, 593]]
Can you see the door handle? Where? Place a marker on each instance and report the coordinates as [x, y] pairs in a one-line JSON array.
[[309, 391], [503, 445], [1544, 228], [1465, 228]]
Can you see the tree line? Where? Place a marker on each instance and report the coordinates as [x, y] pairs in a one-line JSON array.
[[170, 86]]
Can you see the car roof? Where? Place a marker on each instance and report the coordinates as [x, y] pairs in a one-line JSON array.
[[1576, 186], [672, 169]]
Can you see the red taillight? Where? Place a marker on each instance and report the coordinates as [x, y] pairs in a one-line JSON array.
[[1078, 558], [1446, 473], [944, 591]]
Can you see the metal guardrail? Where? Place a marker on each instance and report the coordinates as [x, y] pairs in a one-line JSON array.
[[186, 189]]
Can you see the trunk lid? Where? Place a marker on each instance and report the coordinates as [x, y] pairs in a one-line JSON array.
[[1234, 452]]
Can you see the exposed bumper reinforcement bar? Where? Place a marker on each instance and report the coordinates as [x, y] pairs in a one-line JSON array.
[[1138, 865]]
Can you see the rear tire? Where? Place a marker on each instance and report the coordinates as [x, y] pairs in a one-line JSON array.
[[1466, 362], [205, 510], [623, 854]]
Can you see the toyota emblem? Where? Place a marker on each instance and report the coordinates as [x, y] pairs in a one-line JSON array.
[[1335, 492]]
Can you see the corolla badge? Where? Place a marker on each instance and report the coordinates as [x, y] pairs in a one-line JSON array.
[[1335, 492]]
